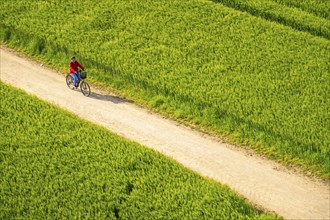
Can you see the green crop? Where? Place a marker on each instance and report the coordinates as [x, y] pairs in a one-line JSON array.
[[258, 80], [310, 16], [317, 7], [57, 166]]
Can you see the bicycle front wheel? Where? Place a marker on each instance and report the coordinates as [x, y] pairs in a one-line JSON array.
[[85, 89]]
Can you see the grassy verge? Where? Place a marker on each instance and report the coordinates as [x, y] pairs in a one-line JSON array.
[[55, 165]]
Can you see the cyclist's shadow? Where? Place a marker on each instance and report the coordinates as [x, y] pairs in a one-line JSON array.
[[108, 98]]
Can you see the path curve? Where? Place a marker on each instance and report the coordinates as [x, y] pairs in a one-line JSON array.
[[262, 182]]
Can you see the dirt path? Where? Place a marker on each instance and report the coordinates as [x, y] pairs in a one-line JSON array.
[[262, 182]]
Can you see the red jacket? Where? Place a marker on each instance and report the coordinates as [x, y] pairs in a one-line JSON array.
[[74, 66]]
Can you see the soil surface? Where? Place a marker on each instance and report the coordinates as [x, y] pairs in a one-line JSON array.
[[262, 182]]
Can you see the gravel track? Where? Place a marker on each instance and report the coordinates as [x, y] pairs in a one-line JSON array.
[[264, 183]]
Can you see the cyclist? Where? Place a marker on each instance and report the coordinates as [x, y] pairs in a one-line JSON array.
[[73, 65]]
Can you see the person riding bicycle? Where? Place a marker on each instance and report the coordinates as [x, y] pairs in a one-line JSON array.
[[73, 65]]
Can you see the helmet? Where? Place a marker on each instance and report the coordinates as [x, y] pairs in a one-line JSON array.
[[73, 57]]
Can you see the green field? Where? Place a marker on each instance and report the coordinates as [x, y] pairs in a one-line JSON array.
[[57, 166], [310, 16], [256, 74]]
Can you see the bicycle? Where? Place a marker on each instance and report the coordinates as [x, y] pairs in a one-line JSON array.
[[84, 86]]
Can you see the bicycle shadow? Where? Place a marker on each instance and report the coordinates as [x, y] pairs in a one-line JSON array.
[[109, 98]]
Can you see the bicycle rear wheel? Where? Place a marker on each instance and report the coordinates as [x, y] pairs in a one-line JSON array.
[[70, 81], [85, 89]]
